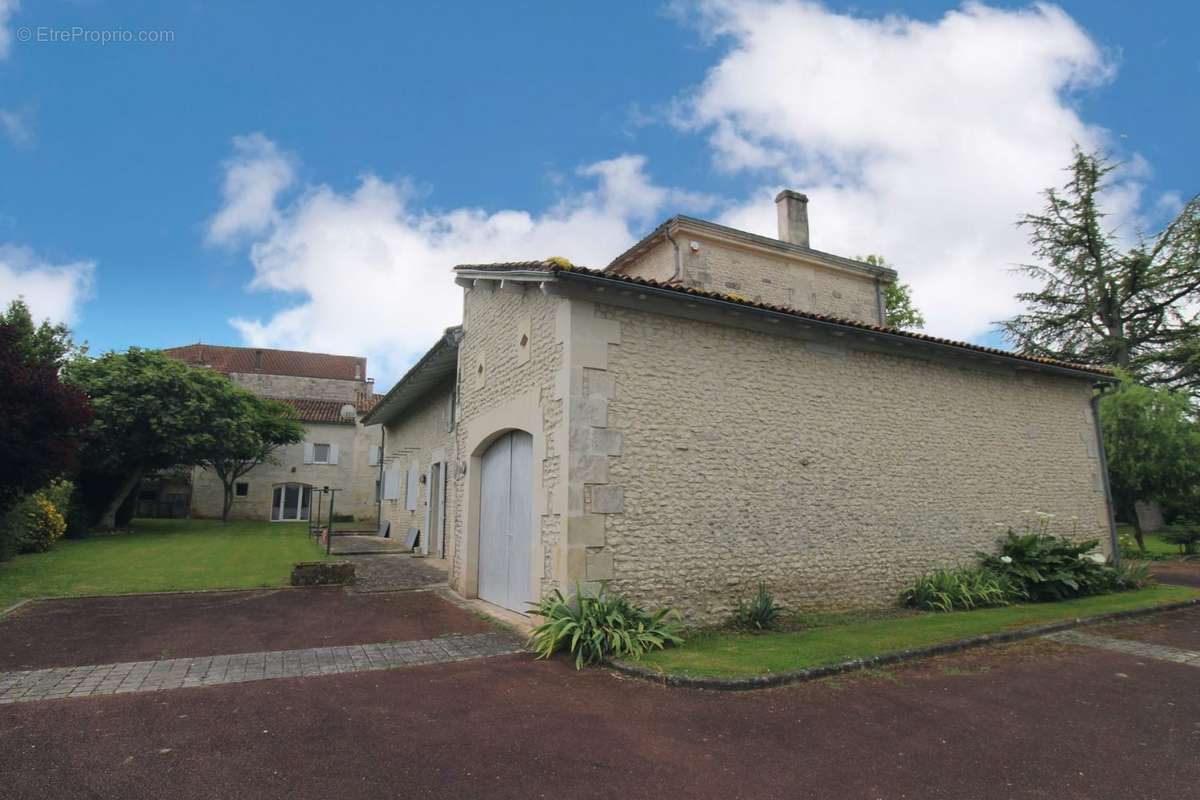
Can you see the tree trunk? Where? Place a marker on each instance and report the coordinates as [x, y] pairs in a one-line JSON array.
[[1137, 529], [108, 520], [228, 502]]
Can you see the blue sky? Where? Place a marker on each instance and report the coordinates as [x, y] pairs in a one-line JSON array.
[[504, 131]]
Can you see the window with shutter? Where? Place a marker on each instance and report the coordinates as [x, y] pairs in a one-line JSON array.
[[391, 483], [410, 497]]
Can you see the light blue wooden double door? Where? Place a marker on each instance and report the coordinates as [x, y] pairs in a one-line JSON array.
[[506, 522]]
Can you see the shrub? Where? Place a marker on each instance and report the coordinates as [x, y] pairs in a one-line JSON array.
[[596, 628], [1185, 534], [1133, 575], [33, 525], [45, 525], [65, 497], [961, 588], [1041, 567], [760, 614], [1129, 548]]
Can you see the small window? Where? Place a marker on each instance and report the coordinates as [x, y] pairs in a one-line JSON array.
[[320, 454], [241, 489]]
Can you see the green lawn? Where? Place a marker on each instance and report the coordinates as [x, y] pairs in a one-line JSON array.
[[1155, 544], [727, 654], [162, 555]]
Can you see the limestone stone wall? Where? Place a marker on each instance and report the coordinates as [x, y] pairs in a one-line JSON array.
[[656, 264], [754, 274], [509, 364], [834, 474], [351, 475], [422, 437], [292, 386]]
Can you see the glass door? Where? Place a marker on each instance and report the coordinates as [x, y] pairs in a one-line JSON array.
[[290, 502]]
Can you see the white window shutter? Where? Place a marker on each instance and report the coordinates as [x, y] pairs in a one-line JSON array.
[[333, 454], [391, 484], [308, 453], [373, 456], [414, 475]]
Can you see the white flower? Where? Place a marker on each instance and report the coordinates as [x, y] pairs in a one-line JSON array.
[[1006, 559], [1096, 558]]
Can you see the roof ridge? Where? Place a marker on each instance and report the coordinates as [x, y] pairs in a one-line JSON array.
[[251, 349]]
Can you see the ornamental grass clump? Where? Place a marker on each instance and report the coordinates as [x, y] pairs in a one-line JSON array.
[[596, 628], [760, 614], [957, 589]]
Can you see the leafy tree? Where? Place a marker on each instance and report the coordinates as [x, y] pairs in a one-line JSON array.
[[155, 413], [151, 413], [1102, 304], [45, 344], [40, 417], [1153, 447], [247, 433], [898, 308]]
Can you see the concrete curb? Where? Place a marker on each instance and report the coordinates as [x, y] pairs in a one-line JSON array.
[[856, 664]]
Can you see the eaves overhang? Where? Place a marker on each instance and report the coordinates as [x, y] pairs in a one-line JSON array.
[[628, 291], [434, 369]]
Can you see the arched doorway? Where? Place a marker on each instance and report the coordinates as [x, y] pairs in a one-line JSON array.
[[506, 521]]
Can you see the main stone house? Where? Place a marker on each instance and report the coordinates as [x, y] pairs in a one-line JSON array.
[[714, 408], [330, 394]]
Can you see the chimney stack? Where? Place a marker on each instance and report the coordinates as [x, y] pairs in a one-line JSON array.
[[792, 208]]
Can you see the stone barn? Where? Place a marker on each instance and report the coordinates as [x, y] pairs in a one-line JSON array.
[[714, 408]]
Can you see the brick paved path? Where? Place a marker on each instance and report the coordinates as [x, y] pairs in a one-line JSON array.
[[1132, 647], [177, 673]]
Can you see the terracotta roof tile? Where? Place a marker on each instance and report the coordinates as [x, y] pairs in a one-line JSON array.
[[311, 409], [271, 362], [551, 267]]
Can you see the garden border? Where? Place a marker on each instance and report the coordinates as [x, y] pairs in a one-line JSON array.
[[4, 612], [896, 657]]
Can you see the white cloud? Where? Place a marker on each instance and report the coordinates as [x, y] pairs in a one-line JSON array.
[[7, 9], [54, 291], [16, 126], [255, 176], [921, 141], [372, 269]]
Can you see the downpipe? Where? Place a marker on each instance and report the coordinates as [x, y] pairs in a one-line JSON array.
[[1100, 389]]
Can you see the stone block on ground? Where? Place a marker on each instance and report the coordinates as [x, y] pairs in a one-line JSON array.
[[322, 573]]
